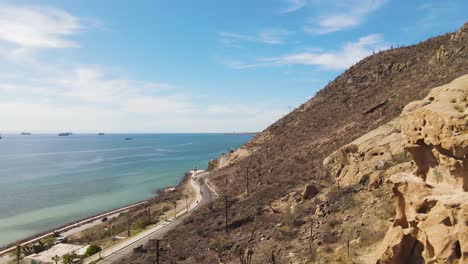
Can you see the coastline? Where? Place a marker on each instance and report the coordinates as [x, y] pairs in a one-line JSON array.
[[87, 220], [202, 195]]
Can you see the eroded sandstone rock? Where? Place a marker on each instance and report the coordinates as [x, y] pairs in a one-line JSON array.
[[429, 227], [435, 132], [369, 159], [431, 221]]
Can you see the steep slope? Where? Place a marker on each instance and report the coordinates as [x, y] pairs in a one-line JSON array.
[[284, 206]]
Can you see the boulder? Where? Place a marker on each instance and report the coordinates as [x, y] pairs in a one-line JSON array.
[[309, 191]]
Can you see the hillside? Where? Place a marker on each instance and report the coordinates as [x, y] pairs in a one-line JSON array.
[[316, 179]]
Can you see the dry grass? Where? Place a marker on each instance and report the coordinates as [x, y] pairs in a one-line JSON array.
[[296, 146]]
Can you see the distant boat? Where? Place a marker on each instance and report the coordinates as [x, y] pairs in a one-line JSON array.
[[25, 134], [65, 134], [101, 134], [128, 138]]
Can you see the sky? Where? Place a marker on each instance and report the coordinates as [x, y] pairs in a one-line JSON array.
[[190, 65]]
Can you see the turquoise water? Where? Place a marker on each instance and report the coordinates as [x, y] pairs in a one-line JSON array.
[[47, 180]]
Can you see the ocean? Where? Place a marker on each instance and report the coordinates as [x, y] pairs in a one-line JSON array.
[[49, 180]]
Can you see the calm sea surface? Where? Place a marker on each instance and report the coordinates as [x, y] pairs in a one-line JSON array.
[[47, 180]]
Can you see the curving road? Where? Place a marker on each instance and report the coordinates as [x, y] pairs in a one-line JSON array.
[[125, 248]]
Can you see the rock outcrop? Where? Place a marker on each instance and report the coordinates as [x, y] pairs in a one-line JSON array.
[[429, 226], [435, 133], [452, 49], [369, 159], [431, 222]]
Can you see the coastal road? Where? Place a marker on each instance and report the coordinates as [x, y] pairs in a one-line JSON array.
[[205, 194], [72, 228]]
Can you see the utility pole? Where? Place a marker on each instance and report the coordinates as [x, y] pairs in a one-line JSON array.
[[311, 236], [226, 212], [157, 251], [175, 209], [128, 224], [186, 202], [157, 248], [18, 252]]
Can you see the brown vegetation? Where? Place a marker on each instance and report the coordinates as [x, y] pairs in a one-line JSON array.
[[273, 223]]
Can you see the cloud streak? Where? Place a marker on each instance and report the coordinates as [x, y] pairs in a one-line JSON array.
[[37, 27], [269, 36], [342, 58], [293, 5], [346, 15]]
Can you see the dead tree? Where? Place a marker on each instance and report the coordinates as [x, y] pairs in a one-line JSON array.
[[259, 169], [55, 258], [247, 180], [312, 247], [149, 216], [246, 256], [273, 256], [226, 212]]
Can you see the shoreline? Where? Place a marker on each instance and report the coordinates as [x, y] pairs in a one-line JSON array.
[[86, 220], [201, 194]]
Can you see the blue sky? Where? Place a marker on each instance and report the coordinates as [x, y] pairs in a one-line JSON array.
[[189, 66]]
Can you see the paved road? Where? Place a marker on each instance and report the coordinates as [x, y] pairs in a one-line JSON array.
[[125, 248], [73, 228]]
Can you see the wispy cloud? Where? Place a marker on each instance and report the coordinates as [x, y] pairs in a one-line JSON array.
[[345, 15], [90, 98], [269, 36], [93, 84], [37, 27], [293, 5], [342, 58]]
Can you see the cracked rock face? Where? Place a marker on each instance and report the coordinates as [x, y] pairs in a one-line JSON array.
[[435, 133]]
